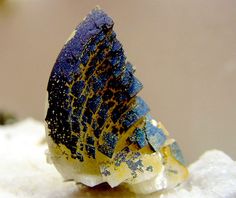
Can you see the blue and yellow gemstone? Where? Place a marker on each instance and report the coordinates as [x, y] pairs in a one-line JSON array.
[[98, 129]]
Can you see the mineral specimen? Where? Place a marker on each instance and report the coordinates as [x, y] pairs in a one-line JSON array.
[[98, 129]]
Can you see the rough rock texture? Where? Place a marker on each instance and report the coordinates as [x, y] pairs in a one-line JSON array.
[[24, 171]]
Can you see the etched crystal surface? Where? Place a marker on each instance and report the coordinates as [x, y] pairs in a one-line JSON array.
[[99, 130]]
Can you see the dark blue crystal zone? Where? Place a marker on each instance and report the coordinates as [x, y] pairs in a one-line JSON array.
[[108, 147], [155, 136], [62, 119], [134, 114], [69, 56], [148, 134], [176, 152], [139, 138], [102, 87]]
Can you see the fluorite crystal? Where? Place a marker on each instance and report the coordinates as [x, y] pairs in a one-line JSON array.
[[98, 129]]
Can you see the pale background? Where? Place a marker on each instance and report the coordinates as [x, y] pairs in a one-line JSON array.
[[184, 52]]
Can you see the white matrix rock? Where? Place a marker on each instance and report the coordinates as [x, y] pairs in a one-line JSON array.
[[24, 172]]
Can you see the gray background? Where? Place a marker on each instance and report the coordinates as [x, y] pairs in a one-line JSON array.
[[184, 52]]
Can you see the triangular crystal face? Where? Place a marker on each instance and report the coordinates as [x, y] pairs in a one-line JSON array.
[[98, 129]]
